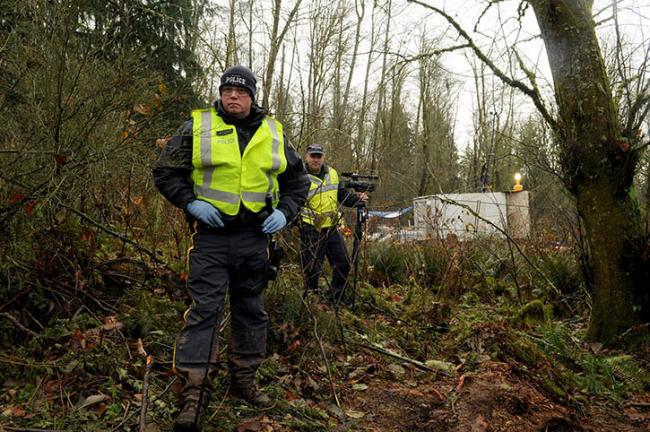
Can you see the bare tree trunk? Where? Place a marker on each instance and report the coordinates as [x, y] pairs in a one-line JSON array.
[[250, 34], [437, 157], [231, 45], [481, 133], [277, 37], [340, 144], [382, 92], [426, 135], [357, 38], [323, 31], [294, 54], [360, 146], [282, 95], [273, 49], [422, 182]]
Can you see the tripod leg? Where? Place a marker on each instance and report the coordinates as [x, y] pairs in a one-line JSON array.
[[356, 246]]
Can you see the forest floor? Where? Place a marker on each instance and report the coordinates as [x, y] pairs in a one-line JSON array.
[[383, 393], [402, 360]]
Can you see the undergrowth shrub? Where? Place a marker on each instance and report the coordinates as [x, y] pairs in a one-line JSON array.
[[607, 376], [291, 325], [563, 270], [434, 263], [49, 271], [426, 263], [390, 262], [485, 257]]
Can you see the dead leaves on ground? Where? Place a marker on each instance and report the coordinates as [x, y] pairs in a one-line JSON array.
[[87, 340]]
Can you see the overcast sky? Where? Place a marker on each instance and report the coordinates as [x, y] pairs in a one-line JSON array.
[[497, 32]]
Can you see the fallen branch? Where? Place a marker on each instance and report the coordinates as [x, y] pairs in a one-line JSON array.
[[145, 390], [419, 364], [637, 404], [216, 410], [18, 324], [21, 362], [165, 390], [22, 429]]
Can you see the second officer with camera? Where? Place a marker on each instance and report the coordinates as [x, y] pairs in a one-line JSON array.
[[320, 221]]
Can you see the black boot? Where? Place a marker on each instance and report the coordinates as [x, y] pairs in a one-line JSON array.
[[252, 395], [246, 355], [189, 418]]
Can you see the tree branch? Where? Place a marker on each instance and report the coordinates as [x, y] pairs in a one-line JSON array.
[[107, 230], [530, 92], [429, 54], [322, 350], [17, 323]]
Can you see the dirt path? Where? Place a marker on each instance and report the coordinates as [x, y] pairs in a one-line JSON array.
[[497, 398]]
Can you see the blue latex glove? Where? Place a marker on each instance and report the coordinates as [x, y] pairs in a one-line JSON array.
[[274, 223], [205, 212]]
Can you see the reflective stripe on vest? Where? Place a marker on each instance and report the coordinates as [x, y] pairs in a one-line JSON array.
[[226, 178], [321, 208]]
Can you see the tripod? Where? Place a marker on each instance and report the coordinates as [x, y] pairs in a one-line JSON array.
[[362, 216]]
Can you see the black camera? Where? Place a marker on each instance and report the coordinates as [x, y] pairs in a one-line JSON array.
[[360, 182]]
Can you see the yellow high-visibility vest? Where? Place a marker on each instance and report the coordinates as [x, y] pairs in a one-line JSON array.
[[321, 208], [223, 176]]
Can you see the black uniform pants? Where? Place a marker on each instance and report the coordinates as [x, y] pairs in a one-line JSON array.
[[315, 246], [222, 259]]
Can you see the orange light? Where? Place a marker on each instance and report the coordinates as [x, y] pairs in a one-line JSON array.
[[518, 187]]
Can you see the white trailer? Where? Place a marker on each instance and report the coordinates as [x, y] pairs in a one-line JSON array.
[[471, 214]]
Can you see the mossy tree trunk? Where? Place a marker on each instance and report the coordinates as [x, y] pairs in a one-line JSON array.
[[598, 164]]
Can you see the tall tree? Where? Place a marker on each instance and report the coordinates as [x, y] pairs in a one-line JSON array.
[[599, 164], [276, 40], [437, 162], [322, 36], [381, 87], [394, 148], [342, 116], [162, 32], [360, 150]]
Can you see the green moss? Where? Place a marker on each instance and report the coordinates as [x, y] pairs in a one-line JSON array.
[[532, 313], [550, 385], [470, 299]]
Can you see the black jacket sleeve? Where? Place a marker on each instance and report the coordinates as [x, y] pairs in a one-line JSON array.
[[347, 196], [293, 182], [172, 172]]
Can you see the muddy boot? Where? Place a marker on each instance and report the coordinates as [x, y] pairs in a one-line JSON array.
[[247, 353], [189, 418], [253, 396]]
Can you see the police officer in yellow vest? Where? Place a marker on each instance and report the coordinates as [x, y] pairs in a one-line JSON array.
[[233, 172], [320, 218]]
